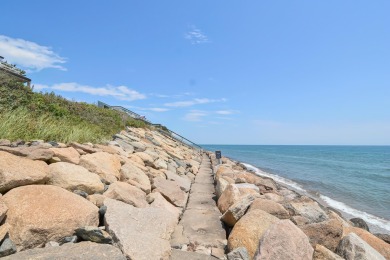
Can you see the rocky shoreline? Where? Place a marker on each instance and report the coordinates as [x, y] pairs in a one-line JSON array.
[[146, 196]]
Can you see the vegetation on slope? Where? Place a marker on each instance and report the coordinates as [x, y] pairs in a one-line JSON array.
[[28, 115]]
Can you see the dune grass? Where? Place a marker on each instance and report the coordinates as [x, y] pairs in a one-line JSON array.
[[28, 115]]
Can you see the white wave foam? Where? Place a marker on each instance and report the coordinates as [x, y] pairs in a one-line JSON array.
[[369, 218], [275, 177]]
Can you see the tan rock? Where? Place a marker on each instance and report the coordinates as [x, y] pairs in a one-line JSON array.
[[322, 253], [74, 177], [309, 209], [84, 147], [327, 233], [228, 197], [183, 182], [69, 154], [274, 197], [378, 244], [248, 230], [221, 184], [3, 209], [237, 210], [135, 176], [16, 171], [135, 158], [110, 149], [146, 158], [41, 213], [141, 233], [284, 240], [106, 165], [97, 199], [171, 191], [153, 173], [354, 247], [127, 193], [299, 220], [270, 207], [161, 164], [160, 202], [83, 250], [4, 229]]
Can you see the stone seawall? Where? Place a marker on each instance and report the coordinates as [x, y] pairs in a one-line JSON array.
[[145, 196]]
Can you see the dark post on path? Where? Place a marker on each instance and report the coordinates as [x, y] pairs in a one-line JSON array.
[[218, 155]]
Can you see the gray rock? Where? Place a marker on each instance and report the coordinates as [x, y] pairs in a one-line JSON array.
[[240, 253], [7, 247], [125, 146], [141, 233], [360, 223], [69, 239], [81, 193], [94, 234], [353, 247], [82, 250]]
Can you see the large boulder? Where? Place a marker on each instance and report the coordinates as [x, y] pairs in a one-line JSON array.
[[221, 184], [353, 247], [106, 165], [16, 171], [183, 182], [146, 158], [284, 240], [229, 196], [237, 210], [69, 154], [309, 209], [135, 176], [82, 250], [74, 177], [249, 229], [141, 233], [270, 207], [161, 164], [322, 253], [378, 244], [171, 191], [41, 213], [327, 233], [360, 223], [127, 193], [158, 201]]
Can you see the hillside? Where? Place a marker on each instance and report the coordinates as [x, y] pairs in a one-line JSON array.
[[29, 115]]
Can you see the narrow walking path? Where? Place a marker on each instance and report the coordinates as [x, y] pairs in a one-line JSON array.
[[200, 228]]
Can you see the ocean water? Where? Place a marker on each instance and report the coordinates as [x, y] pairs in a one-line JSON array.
[[353, 179]]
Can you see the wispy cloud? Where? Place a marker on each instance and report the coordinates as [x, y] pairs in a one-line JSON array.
[[195, 101], [196, 36], [118, 92], [195, 115], [29, 55], [225, 112]]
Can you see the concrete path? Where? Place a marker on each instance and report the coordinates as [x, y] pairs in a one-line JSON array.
[[200, 228]]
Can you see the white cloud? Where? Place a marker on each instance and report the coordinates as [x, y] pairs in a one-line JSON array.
[[118, 92], [195, 101], [196, 36], [29, 55], [224, 112], [195, 115]]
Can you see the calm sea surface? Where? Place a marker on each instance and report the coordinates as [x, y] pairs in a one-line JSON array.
[[353, 179]]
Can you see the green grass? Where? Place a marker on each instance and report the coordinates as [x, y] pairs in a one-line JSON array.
[[28, 115]]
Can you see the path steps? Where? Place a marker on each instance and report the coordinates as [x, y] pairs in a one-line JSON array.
[[200, 228]]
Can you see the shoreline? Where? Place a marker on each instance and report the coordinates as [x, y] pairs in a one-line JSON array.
[[317, 196]]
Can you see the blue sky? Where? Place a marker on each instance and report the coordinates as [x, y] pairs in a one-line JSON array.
[[218, 72]]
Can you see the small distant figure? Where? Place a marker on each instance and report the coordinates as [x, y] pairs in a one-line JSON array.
[[142, 118]]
